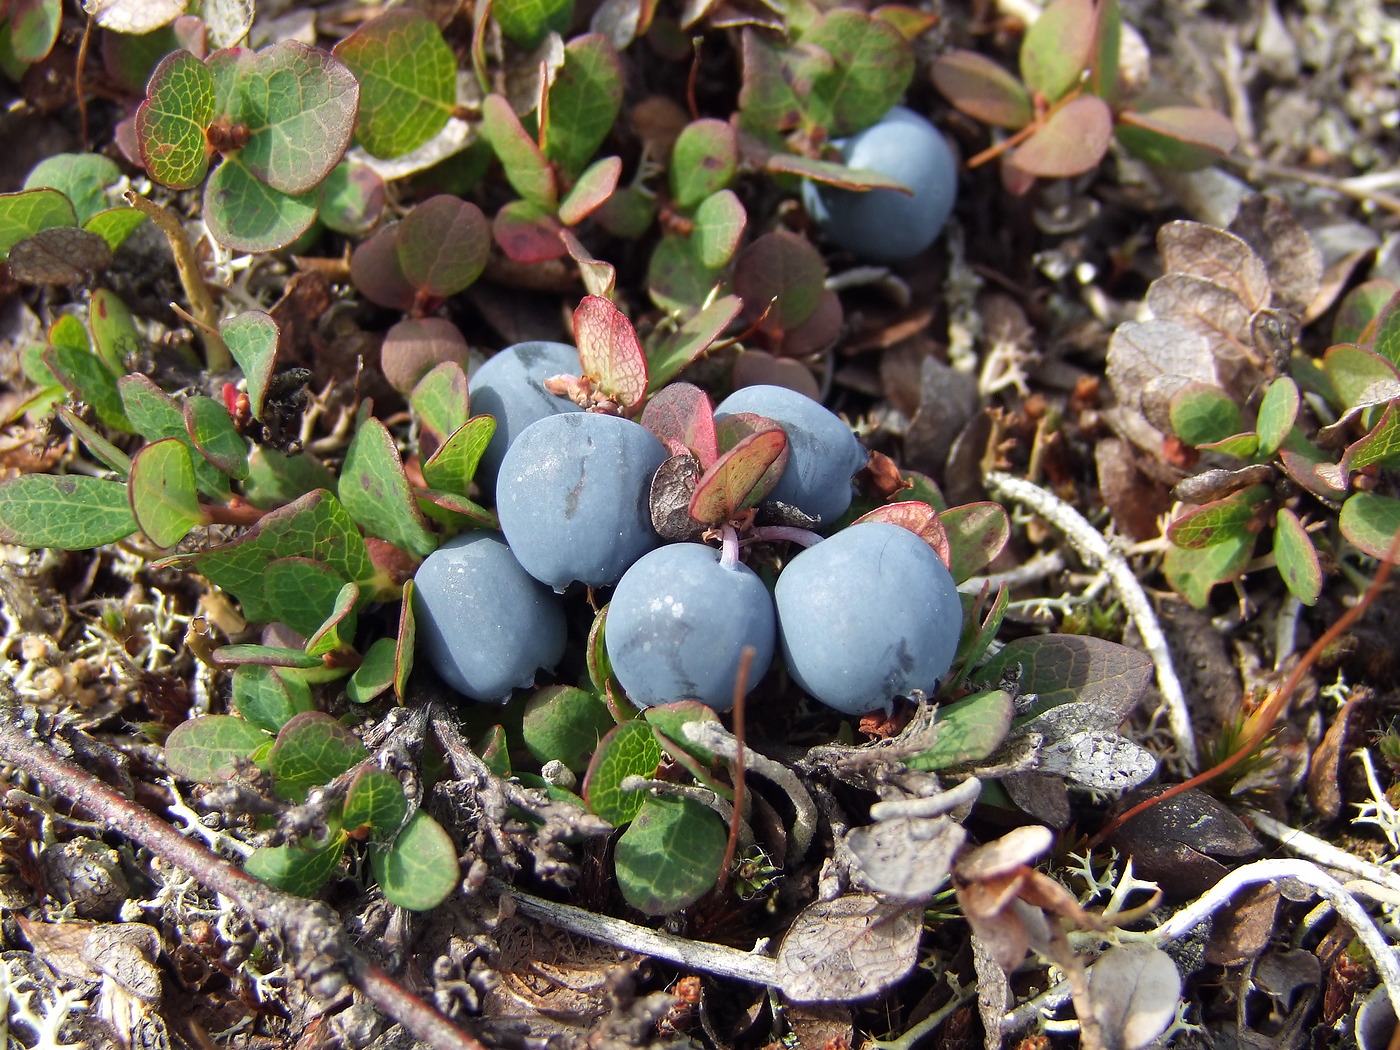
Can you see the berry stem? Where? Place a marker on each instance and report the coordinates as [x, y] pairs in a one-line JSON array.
[[802, 537], [729, 549]]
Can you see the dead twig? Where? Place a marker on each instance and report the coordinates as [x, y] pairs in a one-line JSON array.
[[312, 939]]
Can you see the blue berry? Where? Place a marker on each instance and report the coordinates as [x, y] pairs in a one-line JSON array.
[[678, 623], [510, 388], [822, 451], [572, 497], [486, 626], [886, 225], [866, 615]]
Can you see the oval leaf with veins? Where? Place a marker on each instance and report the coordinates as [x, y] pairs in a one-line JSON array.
[[608, 347]]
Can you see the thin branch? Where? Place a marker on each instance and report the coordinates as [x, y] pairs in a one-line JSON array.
[[313, 940], [1315, 849], [1092, 547]]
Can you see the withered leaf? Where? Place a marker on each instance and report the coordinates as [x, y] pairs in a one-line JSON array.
[[1043, 797], [1139, 352], [1290, 255], [1134, 989], [993, 991], [1204, 307], [906, 858], [852, 947], [60, 255], [672, 486], [1004, 855], [1096, 759], [1212, 253]]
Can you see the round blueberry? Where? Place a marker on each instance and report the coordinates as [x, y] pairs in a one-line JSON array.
[[822, 451], [572, 497], [866, 615], [678, 623], [886, 225], [485, 624], [510, 388]]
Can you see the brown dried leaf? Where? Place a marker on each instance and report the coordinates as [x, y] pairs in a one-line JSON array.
[[1328, 761], [1133, 992], [852, 947], [1212, 253], [993, 991], [906, 858], [1043, 797], [1202, 306], [1290, 255], [60, 255], [1243, 931], [1134, 498], [1139, 353], [1175, 842], [1016, 848]]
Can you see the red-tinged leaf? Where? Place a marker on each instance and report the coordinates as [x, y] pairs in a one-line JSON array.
[[1219, 520], [741, 477], [443, 245], [682, 417], [375, 271], [736, 426], [783, 269], [909, 22], [983, 89], [1180, 138], [1057, 48], [977, 532], [832, 174], [599, 277], [1073, 140], [526, 168], [608, 348], [593, 187], [920, 519], [527, 233]]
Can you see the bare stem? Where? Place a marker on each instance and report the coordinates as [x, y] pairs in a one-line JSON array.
[[205, 312]]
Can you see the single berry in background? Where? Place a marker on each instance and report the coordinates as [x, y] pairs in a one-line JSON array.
[[510, 388], [866, 615], [572, 497], [486, 626], [886, 225], [823, 454], [679, 621]]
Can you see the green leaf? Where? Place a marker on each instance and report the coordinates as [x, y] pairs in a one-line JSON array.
[[155, 415], [628, 749], [316, 525], [408, 81], [375, 800], [1358, 375], [1380, 446], [977, 532], [1192, 573], [525, 22], [703, 161], [1220, 519], [593, 187], [312, 749], [688, 342], [782, 269], [671, 855], [376, 493], [115, 225], [81, 177], [972, 645], [1277, 413], [252, 340], [564, 724], [1065, 668], [452, 467], [967, 731], [420, 869], [767, 101], [116, 339], [443, 245], [584, 102], [719, 224], [171, 122], [527, 170], [609, 351], [298, 104], [204, 749], [25, 213], [106, 452], [1057, 48], [872, 68], [1201, 414], [1370, 522], [215, 437], [268, 698], [375, 673], [88, 379], [677, 280], [301, 592], [669, 721], [1241, 446], [337, 633], [352, 199], [163, 497], [1359, 308], [1297, 558], [441, 399], [66, 512], [983, 89], [1108, 42], [275, 479], [408, 637], [34, 28], [1177, 138], [298, 870], [741, 477], [1385, 340], [832, 174], [246, 214]]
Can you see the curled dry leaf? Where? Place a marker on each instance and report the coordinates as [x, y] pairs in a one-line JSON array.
[[907, 858], [852, 947], [1134, 989], [1013, 850]]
